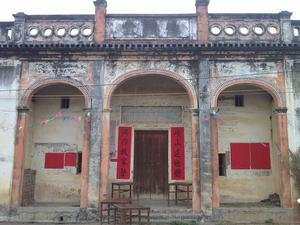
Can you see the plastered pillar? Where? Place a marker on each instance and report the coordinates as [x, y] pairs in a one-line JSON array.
[[85, 160], [104, 156], [284, 169], [22, 123], [196, 202]]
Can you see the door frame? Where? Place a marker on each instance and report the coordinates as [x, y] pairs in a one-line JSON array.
[[168, 129]]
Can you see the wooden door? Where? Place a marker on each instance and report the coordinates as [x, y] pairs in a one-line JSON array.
[[151, 161]]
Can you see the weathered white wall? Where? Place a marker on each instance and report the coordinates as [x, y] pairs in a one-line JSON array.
[[59, 135], [252, 123], [171, 95], [293, 105], [9, 84]]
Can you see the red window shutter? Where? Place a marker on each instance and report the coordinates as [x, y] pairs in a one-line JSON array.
[[54, 160], [260, 156], [240, 156], [71, 159]]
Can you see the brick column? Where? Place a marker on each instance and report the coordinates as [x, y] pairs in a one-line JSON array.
[[85, 160], [284, 169], [16, 193], [100, 13], [202, 20], [104, 155], [215, 162], [196, 202]]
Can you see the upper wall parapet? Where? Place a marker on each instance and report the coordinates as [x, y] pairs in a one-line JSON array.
[[151, 27], [52, 29], [200, 27]]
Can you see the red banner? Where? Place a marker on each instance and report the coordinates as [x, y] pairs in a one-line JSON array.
[[177, 153], [124, 153]]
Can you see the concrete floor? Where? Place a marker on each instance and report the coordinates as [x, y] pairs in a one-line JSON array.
[[183, 223]]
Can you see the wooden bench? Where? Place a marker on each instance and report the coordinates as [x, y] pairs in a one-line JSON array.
[[107, 209], [131, 214], [182, 192]]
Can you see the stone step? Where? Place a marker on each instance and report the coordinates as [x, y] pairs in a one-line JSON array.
[[75, 215], [253, 214]]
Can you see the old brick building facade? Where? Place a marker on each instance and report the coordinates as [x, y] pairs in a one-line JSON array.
[[87, 100]]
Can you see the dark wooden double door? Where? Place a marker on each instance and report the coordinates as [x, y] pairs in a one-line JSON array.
[[151, 162]]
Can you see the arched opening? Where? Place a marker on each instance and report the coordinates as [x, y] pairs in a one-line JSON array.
[[53, 146], [248, 147], [151, 107]]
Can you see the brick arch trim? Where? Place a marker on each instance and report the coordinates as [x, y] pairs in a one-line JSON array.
[[267, 86], [34, 87], [173, 76]]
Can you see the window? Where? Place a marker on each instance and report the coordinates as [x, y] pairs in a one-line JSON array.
[[239, 100], [250, 156], [71, 159], [79, 162], [222, 164], [62, 160], [54, 160], [296, 31], [65, 103]]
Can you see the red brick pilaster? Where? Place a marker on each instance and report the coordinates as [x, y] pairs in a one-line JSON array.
[[104, 160], [196, 202], [85, 160], [214, 163], [202, 20], [16, 193], [282, 137], [100, 13]]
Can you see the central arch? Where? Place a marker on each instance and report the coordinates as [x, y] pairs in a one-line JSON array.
[[174, 76], [192, 103]]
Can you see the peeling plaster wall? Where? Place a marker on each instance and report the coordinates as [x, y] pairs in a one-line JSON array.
[[59, 135], [114, 69], [178, 27], [9, 84], [249, 124]]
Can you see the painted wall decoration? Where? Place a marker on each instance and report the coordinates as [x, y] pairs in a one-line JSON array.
[[177, 154], [61, 116], [124, 153]]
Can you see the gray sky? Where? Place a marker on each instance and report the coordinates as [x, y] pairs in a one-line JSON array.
[[145, 6]]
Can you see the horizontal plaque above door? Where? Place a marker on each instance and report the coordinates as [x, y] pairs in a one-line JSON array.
[[151, 114]]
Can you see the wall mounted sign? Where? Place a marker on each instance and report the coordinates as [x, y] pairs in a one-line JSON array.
[[177, 153], [124, 153]]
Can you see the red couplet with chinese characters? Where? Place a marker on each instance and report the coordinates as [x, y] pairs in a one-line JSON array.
[[124, 153], [177, 153]]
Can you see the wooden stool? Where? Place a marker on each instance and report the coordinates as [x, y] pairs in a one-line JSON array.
[[107, 206], [180, 188], [131, 213], [121, 188]]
